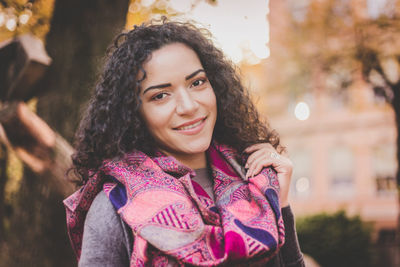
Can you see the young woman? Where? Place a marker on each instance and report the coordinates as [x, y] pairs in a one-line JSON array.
[[176, 166]]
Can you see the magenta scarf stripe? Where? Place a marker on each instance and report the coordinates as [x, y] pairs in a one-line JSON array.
[[175, 223]]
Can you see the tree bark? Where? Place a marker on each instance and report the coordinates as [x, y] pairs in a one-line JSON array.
[[3, 180], [79, 35]]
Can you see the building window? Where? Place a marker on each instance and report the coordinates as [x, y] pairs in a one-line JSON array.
[[385, 168], [301, 181], [341, 170]]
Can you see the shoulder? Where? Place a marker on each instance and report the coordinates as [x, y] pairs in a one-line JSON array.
[[105, 237], [101, 211], [103, 219]]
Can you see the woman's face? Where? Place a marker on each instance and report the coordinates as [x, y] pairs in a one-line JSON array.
[[178, 103]]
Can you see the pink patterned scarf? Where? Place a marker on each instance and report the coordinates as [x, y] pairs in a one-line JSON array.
[[171, 222]]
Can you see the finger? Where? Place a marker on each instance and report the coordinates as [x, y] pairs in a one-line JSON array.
[[257, 168], [280, 163], [259, 164], [255, 155], [265, 152]]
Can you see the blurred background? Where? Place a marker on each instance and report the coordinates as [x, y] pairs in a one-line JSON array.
[[324, 73]]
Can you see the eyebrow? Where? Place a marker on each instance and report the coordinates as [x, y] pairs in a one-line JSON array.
[[194, 74], [157, 86], [164, 85]]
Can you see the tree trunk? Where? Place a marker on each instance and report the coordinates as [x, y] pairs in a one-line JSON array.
[[396, 107], [79, 34], [3, 180]]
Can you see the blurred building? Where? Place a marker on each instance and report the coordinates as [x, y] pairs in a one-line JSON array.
[[343, 154], [342, 145]]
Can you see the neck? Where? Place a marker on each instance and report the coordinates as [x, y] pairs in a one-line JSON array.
[[193, 161]]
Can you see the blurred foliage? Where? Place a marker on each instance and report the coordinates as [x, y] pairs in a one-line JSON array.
[[336, 239], [142, 10], [339, 39], [39, 13], [329, 44], [137, 13]]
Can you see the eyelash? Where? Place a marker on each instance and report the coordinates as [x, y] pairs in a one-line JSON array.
[[155, 98], [202, 80]]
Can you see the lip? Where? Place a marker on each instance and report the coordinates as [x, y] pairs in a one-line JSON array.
[[189, 123], [194, 130]]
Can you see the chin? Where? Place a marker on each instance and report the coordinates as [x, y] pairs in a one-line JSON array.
[[198, 148]]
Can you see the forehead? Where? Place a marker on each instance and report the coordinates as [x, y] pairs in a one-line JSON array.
[[170, 60]]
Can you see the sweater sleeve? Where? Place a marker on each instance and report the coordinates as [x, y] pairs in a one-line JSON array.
[[104, 240], [290, 252]]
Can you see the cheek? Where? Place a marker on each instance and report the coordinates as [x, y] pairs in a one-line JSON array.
[[155, 119], [148, 120], [153, 122], [212, 107], [212, 100]]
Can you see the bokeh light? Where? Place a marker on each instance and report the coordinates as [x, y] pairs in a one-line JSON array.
[[11, 23], [302, 184], [302, 111], [24, 17], [2, 18]]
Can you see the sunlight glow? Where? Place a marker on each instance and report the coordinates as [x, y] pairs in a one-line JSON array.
[[240, 28], [147, 3], [260, 50], [181, 5]]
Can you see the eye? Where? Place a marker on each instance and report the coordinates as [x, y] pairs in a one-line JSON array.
[[199, 82], [159, 96]]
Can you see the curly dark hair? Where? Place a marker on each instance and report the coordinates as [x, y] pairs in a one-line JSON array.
[[112, 124]]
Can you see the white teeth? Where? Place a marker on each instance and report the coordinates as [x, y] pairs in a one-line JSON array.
[[190, 126]]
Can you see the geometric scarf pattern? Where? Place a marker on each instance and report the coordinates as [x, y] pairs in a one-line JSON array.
[[173, 223]]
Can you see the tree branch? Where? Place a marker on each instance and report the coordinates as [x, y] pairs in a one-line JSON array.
[[37, 145]]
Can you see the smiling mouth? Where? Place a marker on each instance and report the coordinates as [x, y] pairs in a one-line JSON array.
[[191, 126]]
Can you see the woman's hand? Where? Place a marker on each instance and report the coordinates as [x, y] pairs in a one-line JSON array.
[[263, 155]]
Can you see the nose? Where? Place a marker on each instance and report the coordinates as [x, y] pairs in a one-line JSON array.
[[186, 104]]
